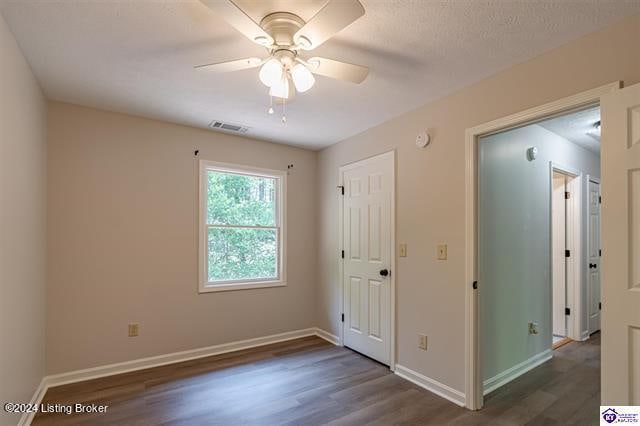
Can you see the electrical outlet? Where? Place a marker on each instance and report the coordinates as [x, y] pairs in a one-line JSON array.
[[403, 250], [533, 328], [442, 252], [422, 341], [133, 329]]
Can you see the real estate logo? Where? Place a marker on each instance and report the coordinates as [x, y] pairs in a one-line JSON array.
[[620, 414], [609, 415]]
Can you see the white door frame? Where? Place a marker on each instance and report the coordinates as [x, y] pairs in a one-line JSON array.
[[473, 365], [574, 236], [392, 275]]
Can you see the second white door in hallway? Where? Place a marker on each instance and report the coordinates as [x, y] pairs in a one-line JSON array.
[[593, 272]]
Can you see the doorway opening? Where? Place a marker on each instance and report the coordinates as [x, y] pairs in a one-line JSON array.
[[512, 304], [532, 266], [565, 238]]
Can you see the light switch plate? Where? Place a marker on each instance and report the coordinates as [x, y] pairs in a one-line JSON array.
[[442, 252], [422, 341], [133, 329], [403, 250]]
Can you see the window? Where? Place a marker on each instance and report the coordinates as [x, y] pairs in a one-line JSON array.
[[241, 227]]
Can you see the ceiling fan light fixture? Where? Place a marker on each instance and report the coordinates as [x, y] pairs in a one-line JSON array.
[[281, 88], [271, 72], [302, 78]]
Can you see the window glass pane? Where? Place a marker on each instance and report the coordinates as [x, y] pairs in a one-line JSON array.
[[241, 253], [235, 199]]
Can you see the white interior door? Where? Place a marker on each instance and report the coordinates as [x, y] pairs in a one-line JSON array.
[[366, 221], [593, 274], [620, 259], [559, 235]]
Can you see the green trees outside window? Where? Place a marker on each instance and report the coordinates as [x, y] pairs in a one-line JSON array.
[[242, 227]]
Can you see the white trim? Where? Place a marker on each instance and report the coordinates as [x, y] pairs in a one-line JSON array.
[[516, 371], [36, 399], [392, 252], [331, 338], [244, 285], [431, 385], [281, 189], [473, 381], [566, 170], [574, 243], [170, 358]]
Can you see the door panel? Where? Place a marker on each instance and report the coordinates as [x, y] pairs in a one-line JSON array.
[[620, 215], [375, 233], [354, 304], [594, 257], [634, 201], [367, 243], [375, 293]]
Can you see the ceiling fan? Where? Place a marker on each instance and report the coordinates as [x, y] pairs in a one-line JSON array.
[[286, 37]]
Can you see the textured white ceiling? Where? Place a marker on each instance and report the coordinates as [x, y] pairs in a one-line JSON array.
[[136, 57], [577, 127]]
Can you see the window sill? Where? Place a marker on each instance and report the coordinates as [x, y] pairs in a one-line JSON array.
[[240, 286]]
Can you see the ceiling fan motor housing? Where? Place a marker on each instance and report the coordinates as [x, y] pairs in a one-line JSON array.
[[282, 26]]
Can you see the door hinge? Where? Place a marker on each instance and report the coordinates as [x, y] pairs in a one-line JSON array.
[[342, 317], [599, 199], [475, 285], [567, 195], [343, 254], [600, 306], [567, 253], [567, 311], [341, 189], [600, 253]]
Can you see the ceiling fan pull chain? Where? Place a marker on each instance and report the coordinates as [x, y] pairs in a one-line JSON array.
[[284, 111], [270, 110]]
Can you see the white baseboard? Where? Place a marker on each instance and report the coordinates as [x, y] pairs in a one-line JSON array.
[[516, 371], [171, 358], [27, 418], [431, 385], [331, 338]]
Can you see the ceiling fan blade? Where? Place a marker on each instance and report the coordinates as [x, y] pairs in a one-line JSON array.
[[237, 65], [239, 20], [333, 17], [339, 70]]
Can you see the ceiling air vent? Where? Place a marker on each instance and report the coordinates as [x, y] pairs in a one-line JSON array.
[[228, 127]]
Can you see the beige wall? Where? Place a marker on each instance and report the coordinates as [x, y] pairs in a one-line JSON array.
[[123, 240], [431, 194], [22, 227]]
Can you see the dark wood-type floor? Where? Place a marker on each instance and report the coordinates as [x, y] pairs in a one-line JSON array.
[[308, 381]]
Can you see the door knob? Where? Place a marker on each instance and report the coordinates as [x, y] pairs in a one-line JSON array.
[[384, 272]]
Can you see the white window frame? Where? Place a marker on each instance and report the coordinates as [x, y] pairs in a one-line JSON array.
[[204, 285]]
